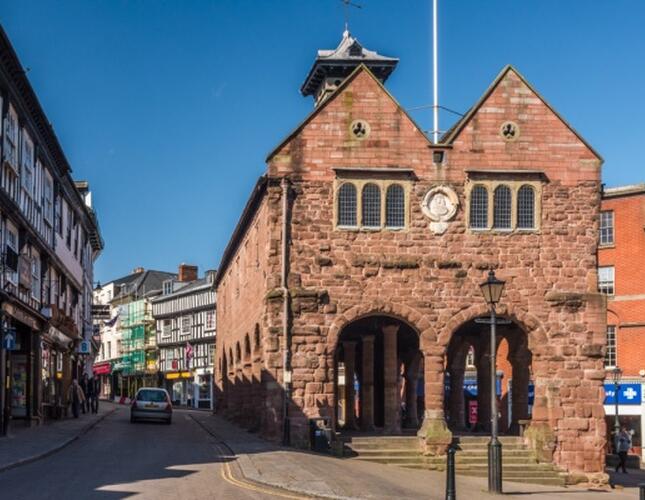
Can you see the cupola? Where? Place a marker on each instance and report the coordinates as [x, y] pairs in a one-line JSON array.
[[331, 67]]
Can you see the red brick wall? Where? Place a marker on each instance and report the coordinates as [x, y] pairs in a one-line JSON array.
[[626, 310], [431, 281]]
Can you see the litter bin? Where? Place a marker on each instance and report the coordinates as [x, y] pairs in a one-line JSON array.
[[320, 434]]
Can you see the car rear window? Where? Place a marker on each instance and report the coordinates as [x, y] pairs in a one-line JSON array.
[[150, 395]]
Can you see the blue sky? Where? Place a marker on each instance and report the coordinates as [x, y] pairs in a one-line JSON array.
[[168, 108]]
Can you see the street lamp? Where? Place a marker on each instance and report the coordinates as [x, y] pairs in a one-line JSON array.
[[492, 290], [616, 374]]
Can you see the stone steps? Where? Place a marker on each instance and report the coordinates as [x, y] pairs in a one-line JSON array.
[[471, 458]]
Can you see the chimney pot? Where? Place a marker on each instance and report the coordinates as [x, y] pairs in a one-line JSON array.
[[187, 272]]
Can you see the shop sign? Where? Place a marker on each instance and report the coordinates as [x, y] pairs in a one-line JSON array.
[[175, 375], [102, 369], [24, 271], [100, 311], [21, 316], [472, 412], [628, 394], [84, 347], [470, 387]]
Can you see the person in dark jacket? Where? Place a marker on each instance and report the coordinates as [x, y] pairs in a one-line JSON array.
[[75, 397], [93, 394], [83, 383]]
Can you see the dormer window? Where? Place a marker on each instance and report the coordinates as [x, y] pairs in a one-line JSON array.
[[167, 287]]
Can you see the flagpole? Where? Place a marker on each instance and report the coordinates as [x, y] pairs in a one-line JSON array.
[[435, 78]]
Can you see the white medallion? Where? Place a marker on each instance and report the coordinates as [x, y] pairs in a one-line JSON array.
[[440, 206]]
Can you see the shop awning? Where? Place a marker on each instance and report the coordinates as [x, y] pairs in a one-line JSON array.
[[102, 368]]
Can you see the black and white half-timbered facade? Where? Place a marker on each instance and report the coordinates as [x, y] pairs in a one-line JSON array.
[[49, 240], [185, 321]]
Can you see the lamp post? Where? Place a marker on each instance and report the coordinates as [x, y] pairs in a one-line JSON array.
[[492, 290], [616, 374]]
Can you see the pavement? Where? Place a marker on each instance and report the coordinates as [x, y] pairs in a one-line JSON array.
[[203, 456], [25, 444], [321, 476]]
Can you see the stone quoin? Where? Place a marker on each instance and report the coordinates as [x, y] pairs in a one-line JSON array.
[[380, 307]]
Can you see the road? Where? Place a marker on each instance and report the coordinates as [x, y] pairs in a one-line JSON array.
[[117, 459]]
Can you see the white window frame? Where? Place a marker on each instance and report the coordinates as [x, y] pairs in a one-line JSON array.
[[186, 325], [611, 228], [12, 242], [48, 197], [612, 347], [166, 328], [167, 287], [210, 320], [27, 178], [607, 280], [11, 133], [35, 275]]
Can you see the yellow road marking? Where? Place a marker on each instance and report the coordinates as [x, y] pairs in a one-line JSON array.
[[227, 475]]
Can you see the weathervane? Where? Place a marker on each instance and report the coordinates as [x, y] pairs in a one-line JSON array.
[[346, 5]]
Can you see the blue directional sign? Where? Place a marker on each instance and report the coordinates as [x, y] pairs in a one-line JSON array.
[[628, 394], [9, 340]]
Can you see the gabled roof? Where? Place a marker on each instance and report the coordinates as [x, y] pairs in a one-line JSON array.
[[360, 68], [141, 284], [191, 287], [455, 130], [341, 60]]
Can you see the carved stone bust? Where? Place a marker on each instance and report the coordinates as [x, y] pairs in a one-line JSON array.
[[440, 206]]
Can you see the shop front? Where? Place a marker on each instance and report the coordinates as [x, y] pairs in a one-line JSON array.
[[103, 371], [203, 389], [23, 390], [179, 385], [631, 412], [55, 371]]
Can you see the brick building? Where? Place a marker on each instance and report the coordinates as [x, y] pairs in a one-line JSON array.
[[353, 273], [621, 275]]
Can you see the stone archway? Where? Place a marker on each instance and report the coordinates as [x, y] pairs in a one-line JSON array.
[[467, 387], [378, 371]]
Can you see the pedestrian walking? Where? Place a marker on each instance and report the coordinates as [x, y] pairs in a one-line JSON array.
[[83, 383], [623, 445], [91, 393], [75, 397], [96, 384]]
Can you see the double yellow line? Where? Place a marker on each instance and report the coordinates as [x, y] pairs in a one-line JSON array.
[[227, 472]]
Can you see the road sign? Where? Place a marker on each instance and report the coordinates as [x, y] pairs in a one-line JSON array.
[[84, 347], [9, 340]]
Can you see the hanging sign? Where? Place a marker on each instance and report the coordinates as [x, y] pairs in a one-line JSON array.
[[628, 394]]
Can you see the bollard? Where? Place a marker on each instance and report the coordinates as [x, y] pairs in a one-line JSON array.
[[451, 493], [641, 487]]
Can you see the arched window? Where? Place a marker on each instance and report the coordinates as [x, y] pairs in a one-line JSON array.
[[479, 207], [238, 353], [247, 348], [395, 206], [526, 207], [256, 337], [371, 199], [347, 205], [230, 360], [502, 207]]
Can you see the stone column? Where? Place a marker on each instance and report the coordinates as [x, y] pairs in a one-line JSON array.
[[392, 408], [349, 350], [367, 384]]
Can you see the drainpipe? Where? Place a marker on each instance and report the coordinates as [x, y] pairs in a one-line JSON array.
[[286, 346]]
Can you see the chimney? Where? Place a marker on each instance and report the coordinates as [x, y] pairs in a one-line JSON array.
[[187, 272], [138, 270]]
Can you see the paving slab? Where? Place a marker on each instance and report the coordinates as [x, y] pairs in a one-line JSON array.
[[25, 444], [323, 476]]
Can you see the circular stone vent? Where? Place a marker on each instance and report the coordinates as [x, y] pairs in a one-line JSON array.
[[359, 129], [510, 131]]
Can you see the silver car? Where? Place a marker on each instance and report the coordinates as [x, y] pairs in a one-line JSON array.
[[151, 403]]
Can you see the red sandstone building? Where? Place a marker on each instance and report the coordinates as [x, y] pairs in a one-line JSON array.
[[621, 275], [350, 287]]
